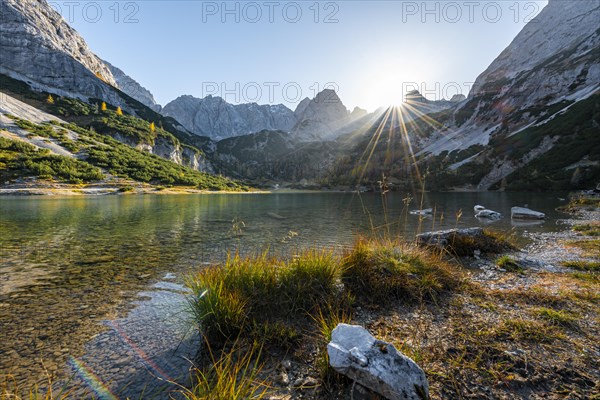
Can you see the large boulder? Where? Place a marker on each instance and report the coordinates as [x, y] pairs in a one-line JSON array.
[[525, 213], [375, 364]]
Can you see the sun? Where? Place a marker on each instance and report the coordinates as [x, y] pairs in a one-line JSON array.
[[385, 85]]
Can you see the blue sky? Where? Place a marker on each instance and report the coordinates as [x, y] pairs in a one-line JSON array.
[[371, 52]]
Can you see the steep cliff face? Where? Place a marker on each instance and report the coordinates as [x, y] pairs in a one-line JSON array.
[[215, 118], [39, 47], [533, 109], [132, 88], [553, 59], [41, 51], [562, 30]]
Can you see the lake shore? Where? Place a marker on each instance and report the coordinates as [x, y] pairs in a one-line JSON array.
[[103, 189], [524, 324]]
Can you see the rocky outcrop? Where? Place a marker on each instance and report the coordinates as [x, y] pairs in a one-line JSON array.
[[170, 149], [39, 47], [217, 119], [132, 88], [376, 364]]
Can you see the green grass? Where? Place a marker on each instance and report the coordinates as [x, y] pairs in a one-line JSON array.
[[326, 323], [47, 130], [126, 188], [581, 202], [244, 293], [509, 264], [115, 157], [587, 277], [591, 248], [381, 271], [583, 265], [558, 317], [518, 329]]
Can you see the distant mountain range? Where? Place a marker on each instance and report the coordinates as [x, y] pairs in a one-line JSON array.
[[531, 120]]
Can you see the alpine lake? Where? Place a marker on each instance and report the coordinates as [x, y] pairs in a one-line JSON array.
[[92, 287]]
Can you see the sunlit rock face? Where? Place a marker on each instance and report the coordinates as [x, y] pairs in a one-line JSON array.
[[555, 57], [38, 46], [214, 117]]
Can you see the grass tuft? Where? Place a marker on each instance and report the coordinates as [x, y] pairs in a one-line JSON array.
[[378, 271], [509, 264], [558, 317], [517, 329], [234, 375], [582, 265], [245, 293]]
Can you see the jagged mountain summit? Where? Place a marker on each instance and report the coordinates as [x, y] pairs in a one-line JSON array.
[[212, 116], [531, 121], [314, 119], [320, 117]]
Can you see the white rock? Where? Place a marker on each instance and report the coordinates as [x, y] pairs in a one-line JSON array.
[[375, 364], [525, 213], [478, 208]]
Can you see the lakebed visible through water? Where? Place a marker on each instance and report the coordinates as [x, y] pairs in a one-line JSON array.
[[92, 285]]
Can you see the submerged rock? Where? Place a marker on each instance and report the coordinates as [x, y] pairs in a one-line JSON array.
[[525, 213], [375, 364]]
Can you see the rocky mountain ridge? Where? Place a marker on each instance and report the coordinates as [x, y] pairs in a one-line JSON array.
[[212, 116]]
